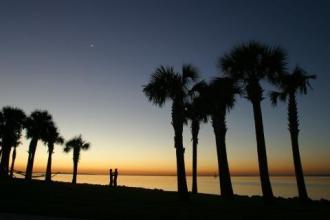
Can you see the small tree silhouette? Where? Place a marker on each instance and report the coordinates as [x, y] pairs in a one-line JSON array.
[[76, 144], [36, 126], [166, 84], [52, 137], [11, 125], [289, 85]]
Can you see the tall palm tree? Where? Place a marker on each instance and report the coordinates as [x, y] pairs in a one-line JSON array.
[[250, 64], [11, 124], [289, 85], [13, 158], [52, 137], [166, 84], [36, 126], [76, 144], [196, 113]]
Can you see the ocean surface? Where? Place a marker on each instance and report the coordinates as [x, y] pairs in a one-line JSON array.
[[318, 187]]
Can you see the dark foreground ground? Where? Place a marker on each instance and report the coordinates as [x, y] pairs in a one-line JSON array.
[[87, 201]]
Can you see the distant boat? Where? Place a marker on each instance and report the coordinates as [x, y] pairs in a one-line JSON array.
[[215, 175]]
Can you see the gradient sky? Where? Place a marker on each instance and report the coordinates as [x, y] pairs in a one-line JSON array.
[[86, 61]]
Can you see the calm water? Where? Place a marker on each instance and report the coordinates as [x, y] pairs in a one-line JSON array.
[[318, 187]]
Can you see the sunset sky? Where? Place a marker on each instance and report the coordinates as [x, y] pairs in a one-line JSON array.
[[86, 61]]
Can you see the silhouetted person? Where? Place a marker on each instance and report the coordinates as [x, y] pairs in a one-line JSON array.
[[115, 175], [111, 178]]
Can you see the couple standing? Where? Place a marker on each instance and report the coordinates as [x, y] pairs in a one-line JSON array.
[[113, 177]]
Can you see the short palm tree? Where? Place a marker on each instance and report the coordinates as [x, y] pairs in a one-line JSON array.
[[13, 158], [1, 125], [166, 84], [1, 132], [219, 98], [36, 126], [196, 113], [76, 144], [11, 125], [250, 64], [289, 85], [52, 137]]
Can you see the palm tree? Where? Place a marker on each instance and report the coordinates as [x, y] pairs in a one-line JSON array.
[[1, 125], [77, 144], [36, 126], [196, 113], [289, 85], [218, 98], [11, 125], [250, 64], [222, 94], [166, 84], [52, 137], [13, 158]]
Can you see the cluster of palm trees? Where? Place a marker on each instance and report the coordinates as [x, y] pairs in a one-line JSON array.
[[244, 68], [39, 126]]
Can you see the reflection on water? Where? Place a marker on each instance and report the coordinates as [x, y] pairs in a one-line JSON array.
[[318, 187]]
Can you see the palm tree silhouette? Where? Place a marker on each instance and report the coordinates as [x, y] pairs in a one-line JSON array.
[[76, 144], [223, 91], [196, 113], [52, 137], [1, 127], [250, 63], [36, 126], [11, 125], [289, 85], [13, 158], [219, 98], [166, 84]]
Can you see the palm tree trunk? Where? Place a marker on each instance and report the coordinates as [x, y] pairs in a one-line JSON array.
[[220, 129], [13, 158], [49, 164], [32, 151], [5, 156], [177, 122], [194, 132], [75, 170], [261, 149], [294, 132]]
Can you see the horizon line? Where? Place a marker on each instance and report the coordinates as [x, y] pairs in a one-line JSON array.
[[234, 175]]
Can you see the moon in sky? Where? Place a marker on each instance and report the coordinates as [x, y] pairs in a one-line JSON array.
[[91, 45]]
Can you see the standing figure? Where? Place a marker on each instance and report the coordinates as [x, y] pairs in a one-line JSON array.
[[115, 175], [111, 178]]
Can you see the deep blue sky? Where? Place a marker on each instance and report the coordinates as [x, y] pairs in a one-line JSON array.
[[85, 61]]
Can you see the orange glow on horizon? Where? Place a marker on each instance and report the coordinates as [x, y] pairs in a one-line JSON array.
[[246, 171]]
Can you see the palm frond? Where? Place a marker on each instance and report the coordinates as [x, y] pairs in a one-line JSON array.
[[67, 148], [198, 88], [85, 146], [158, 88], [223, 92], [189, 72], [76, 143], [297, 81], [59, 140], [274, 96], [253, 60]]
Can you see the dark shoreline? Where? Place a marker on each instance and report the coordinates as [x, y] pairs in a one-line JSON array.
[[89, 201]]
